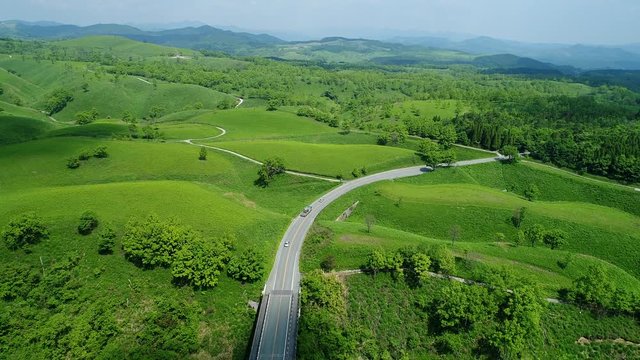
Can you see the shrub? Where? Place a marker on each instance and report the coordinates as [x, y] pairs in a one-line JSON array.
[[128, 117], [383, 139], [554, 238], [107, 239], [86, 117], [154, 242], [84, 155], [532, 192], [269, 169], [329, 263], [442, 259], [149, 132], [100, 152], [272, 105], [73, 163], [199, 263], [247, 267], [26, 229], [170, 331], [57, 101], [203, 153], [88, 222], [518, 216]]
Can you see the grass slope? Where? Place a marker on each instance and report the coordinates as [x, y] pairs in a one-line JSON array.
[[253, 124], [109, 95], [352, 244], [17, 90], [225, 317], [112, 99], [481, 213], [11, 109], [554, 185], [14, 129], [121, 47], [323, 158], [428, 109], [42, 163]]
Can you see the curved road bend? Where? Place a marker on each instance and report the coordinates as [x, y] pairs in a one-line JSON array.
[[276, 328]]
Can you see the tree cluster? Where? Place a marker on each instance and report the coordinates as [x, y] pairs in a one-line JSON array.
[[269, 170], [596, 291], [434, 154], [57, 101], [194, 261], [395, 134], [247, 266], [24, 230], [553, 238], [413, 264], [573, 140], [99, 153], [86, 117], [318, 115]]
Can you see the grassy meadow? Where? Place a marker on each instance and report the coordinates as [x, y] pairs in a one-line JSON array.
[[322, 159]]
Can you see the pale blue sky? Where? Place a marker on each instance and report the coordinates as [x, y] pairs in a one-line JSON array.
[[566, 21]]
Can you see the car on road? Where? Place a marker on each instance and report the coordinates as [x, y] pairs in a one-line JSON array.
[[286, 244], [306, 211]]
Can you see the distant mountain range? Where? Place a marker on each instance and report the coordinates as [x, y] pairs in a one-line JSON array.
[[484, 52], [202, 38], [580, 56]]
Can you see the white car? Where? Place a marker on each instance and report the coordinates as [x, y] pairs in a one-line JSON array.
[[306, 211], [286, 244]]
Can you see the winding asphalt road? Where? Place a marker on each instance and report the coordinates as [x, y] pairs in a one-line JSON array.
[[275, 335]]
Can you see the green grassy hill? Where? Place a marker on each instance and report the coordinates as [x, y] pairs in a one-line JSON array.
[[254, 124], [481, 213], [216, 197], [15, 129], [17, 90], [121, 47], [321, 158], [111, 96], [133, 294], [11, 109]]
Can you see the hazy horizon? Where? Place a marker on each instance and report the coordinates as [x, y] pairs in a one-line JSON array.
[[604, 22]]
